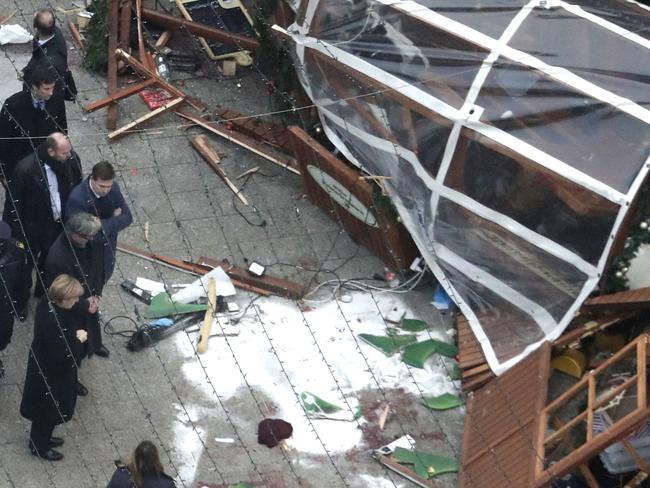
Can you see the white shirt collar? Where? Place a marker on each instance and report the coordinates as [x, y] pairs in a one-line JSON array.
[[43, 41], [92, 189]]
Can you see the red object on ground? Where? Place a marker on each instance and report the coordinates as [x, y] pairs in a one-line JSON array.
[[156, 97]]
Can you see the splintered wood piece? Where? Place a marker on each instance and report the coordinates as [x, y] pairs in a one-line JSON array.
[[241, 140], [145, 118], [248, 172], [163, 40], [229, 67], [210, 155], [138, 15], [5, 18], [204, 335], [383, 417], [76, 36], [119, 95], [405, 471], [147, 73]]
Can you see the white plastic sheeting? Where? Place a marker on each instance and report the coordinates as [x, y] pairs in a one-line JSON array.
[[515, 135]]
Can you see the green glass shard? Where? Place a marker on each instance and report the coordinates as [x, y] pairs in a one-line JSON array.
[[443, 402], [413, 325], [388, 345], [162, 306], [315, 404], [456, 373], [416, 354], [425, 464]]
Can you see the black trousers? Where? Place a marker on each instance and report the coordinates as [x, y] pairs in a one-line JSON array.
[[39, 247], [39, 436]]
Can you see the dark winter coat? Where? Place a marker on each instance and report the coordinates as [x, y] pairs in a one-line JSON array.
[[49, 394], [30, 195], [122, 479], [54, 53], [12, 263], [24, 127], [82, 199]]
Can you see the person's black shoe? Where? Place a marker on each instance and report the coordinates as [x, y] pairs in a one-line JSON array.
[[102, 352], [22, 314], [81, 389], [50, 454], [2, 369], [56, 441]]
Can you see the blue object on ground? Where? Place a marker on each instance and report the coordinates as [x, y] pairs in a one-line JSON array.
[[441, 300]]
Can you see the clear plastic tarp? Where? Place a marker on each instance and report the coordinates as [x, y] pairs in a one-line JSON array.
[[513, 137]]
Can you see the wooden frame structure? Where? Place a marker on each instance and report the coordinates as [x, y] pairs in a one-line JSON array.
[[542, 474]]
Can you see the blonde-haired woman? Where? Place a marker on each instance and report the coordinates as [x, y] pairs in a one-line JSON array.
[[49, 395]]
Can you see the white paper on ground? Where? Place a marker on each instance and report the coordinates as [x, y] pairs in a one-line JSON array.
[[199, 288], [14, 34], [153, 287], [406, 442]]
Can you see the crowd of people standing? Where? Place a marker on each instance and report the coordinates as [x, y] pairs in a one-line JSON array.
[[58, 236]]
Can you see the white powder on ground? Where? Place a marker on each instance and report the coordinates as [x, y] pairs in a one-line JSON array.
[[279, 331]]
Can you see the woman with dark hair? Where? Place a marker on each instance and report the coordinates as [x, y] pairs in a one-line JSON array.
[[144, 470], [50, 395]]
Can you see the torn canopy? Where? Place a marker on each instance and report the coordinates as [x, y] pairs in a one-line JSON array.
[[515, 136]]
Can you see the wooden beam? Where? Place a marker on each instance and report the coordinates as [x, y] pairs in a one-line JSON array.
[[145, 118], [276, 286], [125, 24], [76, 36], [119, 95], [210, 156], [405, 471], [286, 162], [207, 31], [113, 14], [138, 16], [185, 266], [147, 73]]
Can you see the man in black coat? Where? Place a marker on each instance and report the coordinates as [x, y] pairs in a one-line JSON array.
[[71, 254], [12, 264], [37, 195], [49, 46], [29, 116]]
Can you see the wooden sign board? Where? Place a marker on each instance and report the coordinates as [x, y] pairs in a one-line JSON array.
[[337, 188]]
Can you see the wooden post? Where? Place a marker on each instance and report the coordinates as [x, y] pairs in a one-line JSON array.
[[210, 155], [204, 335], [76, 36], [119, 95], [125, 24], [113, 14]]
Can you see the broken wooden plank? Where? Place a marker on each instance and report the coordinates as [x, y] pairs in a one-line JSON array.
[[163, 40], [119, 95], [138, 16], [147, 73], [210, 155], [286, 162], [204, 335], [111, 75], [405, 471], [277, 286], [628, 300], [185, 266], [145, 118], [76, 36], [276, 135], [208, 32]]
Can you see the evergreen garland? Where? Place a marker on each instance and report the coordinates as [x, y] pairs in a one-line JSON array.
[[616, 274], [96, 44]]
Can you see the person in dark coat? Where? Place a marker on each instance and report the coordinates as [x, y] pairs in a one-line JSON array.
[[144, 470], [12, 264], [70, 254], [29, 116], [49, 394], [49, 46], [38, 192], [100, 195]]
